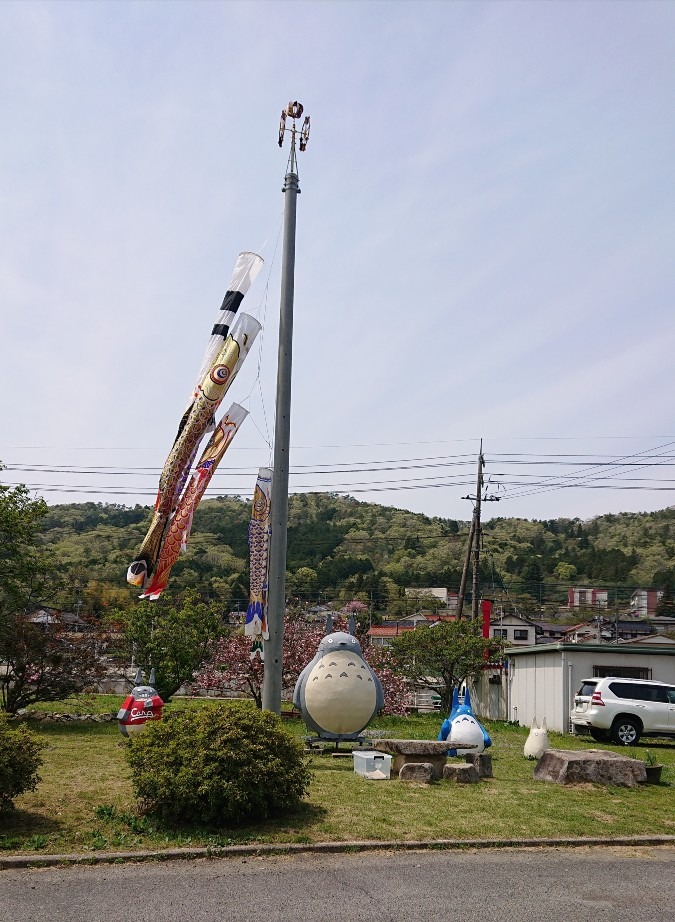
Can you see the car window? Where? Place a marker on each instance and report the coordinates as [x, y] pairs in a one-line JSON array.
[[670, 695], [635, 692], [587, 689], [632, 691]]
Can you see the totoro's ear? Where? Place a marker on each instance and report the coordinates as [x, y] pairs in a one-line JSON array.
[[329, 623], [152, 679], [543, 724], [533, 725], [352, 626], [139, 676]]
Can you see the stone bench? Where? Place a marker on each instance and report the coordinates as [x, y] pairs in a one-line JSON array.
[[407, 752]]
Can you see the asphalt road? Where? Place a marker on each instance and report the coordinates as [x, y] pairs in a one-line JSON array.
[[546, 885]]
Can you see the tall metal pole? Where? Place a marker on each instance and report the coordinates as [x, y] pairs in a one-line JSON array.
[[273, 648]]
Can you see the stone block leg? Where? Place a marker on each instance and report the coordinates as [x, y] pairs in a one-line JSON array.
[[461, 772], [422, 772], [482, 762]]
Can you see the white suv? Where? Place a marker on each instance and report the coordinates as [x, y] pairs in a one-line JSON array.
[[623, 710]]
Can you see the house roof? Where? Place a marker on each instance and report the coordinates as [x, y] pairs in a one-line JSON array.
[[499, 619], [46, 615], [389, 630], [639, 648], [660, 639]]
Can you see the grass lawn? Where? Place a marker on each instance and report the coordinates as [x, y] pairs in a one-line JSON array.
[[84, 801]]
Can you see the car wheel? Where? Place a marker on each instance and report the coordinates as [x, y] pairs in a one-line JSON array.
[[625, 731], [600, 736]]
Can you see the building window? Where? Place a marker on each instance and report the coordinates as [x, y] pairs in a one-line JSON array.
[[500, 632], [521, 634], [622, 672]]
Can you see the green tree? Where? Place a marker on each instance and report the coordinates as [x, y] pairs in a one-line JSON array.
[[42, 662], [20, 760], [26, 568], [175, 639], [565, 572], [443, 655]]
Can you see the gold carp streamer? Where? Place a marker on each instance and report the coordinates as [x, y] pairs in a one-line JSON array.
[[208, 397], [180, 525]]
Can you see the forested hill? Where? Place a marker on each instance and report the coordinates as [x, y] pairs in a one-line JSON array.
[[341, 548]]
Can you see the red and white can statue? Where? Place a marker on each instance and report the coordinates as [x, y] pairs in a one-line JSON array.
[[141, 705]]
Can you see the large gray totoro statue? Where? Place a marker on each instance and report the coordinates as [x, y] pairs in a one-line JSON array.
[[338, 693]]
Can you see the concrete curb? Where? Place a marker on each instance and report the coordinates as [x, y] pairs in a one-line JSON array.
[[327, 848]]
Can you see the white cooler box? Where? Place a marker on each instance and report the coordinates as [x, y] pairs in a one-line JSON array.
[[373, 765]]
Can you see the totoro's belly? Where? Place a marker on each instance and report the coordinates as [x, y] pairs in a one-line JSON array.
[[466, 730], [340, 694]]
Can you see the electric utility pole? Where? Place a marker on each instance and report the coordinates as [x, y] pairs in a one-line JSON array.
[[276, 594], [473, 544], [465, 568]]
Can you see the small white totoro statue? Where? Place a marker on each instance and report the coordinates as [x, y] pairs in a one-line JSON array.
[[537, 741]]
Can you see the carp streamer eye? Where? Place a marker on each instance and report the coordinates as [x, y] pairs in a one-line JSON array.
[[220, 374]]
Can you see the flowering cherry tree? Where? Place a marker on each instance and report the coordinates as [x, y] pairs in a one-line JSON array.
[[355, 608], [231, 670], [397, 692]]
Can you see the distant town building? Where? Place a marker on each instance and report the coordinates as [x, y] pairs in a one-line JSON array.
[[422, 594], [586, 598], [643, 602]]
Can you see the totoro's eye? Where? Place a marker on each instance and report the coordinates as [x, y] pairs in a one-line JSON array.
[[353, 639], [330, 640]]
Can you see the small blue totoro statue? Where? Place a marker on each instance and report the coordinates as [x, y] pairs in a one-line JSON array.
[[462, 727], [338, 693]]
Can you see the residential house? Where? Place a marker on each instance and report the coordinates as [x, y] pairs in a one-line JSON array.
[[382, 634], [514, 629], [47, 616], [550, 631], [607, 630]]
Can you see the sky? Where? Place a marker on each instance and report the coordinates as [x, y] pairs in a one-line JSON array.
[[485, 238]]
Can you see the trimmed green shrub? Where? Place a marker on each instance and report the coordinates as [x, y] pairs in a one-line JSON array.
[[217, 765], [19, 761]]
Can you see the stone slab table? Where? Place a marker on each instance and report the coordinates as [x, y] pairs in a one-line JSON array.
[[601, 766], [405, 752]]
